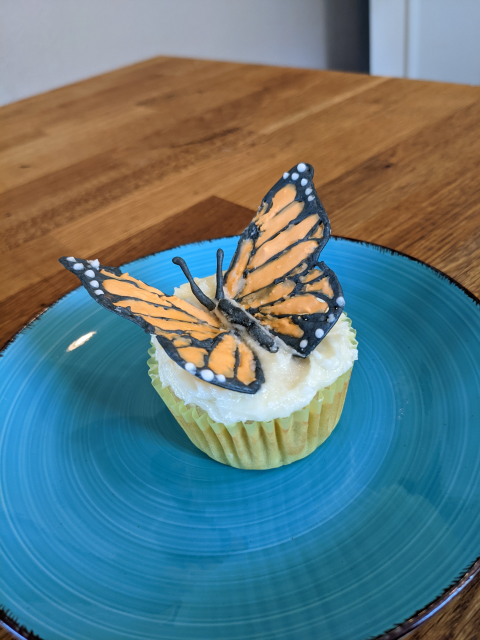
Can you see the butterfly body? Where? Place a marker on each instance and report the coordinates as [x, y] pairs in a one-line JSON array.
[[275, 289], [236, 315]]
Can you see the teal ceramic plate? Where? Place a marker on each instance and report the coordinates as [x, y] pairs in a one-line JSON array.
[[113, 525]]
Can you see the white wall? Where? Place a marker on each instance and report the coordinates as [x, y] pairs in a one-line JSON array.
[[388, 33], [444, 42], [426, 39], [45, 44]]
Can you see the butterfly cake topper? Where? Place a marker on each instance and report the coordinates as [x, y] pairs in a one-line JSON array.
[[275, 289]]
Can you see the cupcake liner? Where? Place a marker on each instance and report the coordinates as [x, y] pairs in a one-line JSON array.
[[258, 445]]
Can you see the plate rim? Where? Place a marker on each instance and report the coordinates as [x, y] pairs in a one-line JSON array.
[[11, 624]]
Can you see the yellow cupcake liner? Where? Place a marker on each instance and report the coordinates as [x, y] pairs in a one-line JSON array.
[[258, 445]]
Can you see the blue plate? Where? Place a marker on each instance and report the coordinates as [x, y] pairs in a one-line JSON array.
[[113, 525]]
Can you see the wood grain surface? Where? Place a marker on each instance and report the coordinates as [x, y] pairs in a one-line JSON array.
[[171, 151]]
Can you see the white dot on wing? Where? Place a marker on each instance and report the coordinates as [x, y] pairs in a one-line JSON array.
[[294, 176], [90, 273], [301, 167], [94, 283], [319, 333], [331, 318], [207, 375], [308, 191], [99, 292], [341, 301], [221, 378], [190, 367], [285, 175], [303, 344], [95, 263], [303, 182], [71, 259], [310, 198], [78, 267]]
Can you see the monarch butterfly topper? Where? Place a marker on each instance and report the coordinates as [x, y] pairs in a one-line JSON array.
[[275, 292]]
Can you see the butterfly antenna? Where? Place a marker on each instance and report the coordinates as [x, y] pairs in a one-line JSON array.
[[219, 295], [197, 292]]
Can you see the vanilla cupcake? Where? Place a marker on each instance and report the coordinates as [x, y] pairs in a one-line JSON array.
[[292, 414]]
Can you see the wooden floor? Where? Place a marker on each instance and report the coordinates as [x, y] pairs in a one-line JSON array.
[[172, 150]]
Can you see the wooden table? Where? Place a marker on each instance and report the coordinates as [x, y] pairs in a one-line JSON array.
[[171, 151]]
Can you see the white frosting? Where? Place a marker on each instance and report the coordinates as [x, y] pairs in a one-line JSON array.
[[290, 382]]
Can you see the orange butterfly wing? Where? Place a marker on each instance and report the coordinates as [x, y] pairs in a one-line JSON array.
[[275, 274], [192, 337]]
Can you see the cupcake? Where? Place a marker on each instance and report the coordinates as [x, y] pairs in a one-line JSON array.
[[254, 362]]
